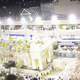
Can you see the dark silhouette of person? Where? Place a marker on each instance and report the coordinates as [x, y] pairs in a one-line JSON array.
[[11, 77], [34, 79]]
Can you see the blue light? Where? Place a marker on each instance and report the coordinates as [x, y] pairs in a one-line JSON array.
[[22, 35], [31, 36]]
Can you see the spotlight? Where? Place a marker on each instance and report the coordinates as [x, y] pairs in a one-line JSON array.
[[9, 21], [23, 20], [0, 22], [54, 19], [31, 19], [38, 19], [72, 18]]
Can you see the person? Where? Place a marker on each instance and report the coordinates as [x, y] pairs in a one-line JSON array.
[[35, 78], [11, 77]]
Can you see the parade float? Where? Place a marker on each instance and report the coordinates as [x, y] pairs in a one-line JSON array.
[[33, 51], [35, 47]]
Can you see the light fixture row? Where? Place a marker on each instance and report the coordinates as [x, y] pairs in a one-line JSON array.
[[54, 19]]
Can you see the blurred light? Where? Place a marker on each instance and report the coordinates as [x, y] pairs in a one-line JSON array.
[[38, 19], [54, 19], [9, 21], [23, 20], [31, 19], [72, 18], [0, 22]]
